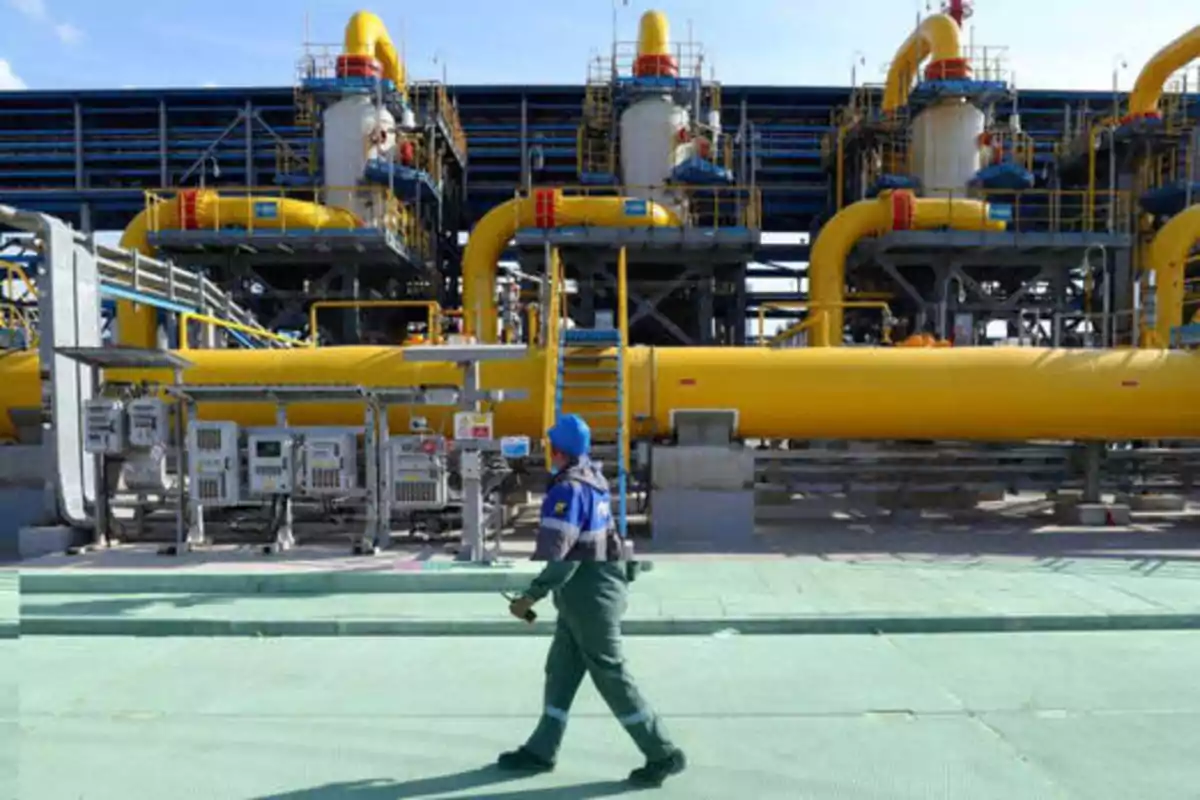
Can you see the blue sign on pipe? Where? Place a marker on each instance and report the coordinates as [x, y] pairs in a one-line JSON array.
[[635, 207], [266, 209], [513, 447], [1000, 212]]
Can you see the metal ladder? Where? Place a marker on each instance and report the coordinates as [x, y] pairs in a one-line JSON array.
[[591, 384]]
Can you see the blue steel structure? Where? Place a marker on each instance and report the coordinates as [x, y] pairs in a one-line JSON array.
[[88, 156]]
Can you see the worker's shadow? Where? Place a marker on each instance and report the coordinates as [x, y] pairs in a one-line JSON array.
[[384, 789]]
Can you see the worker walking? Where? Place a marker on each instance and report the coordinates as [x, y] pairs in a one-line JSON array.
[[587, 573]]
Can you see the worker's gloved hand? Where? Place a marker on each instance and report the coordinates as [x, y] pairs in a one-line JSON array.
[[520, 607]]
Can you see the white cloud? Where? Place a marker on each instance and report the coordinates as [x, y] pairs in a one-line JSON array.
[[9, 80], [68, 33], [34, 9], [37, 11], [209, 85]]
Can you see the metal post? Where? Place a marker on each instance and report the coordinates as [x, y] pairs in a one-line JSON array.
[[372, 454], [383, 531], [249, 115], [78, 146], [163, 178], [1093, 451], [473, 534], [180, 469], [100, 481]]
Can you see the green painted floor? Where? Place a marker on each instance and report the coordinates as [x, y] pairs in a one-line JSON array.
[[1015, 715], [764, 595]]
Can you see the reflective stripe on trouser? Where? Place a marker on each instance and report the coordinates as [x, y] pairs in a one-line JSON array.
[[594, 648]]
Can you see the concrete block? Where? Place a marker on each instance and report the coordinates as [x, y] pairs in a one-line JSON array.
[[1159, 503], [38, 541], [1092, 514], [713, 518], [707, 468]]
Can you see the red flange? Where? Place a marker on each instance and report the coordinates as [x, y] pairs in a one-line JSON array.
[[188, 218], [659, 66], [948, 69], [545, 202], [359, 67], [904, 208]]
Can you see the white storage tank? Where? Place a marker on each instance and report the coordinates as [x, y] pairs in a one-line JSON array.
[[355, 130], [945, 147], [650, 145]]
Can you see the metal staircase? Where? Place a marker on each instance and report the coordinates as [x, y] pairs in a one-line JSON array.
[[591, 384], [596, 146]]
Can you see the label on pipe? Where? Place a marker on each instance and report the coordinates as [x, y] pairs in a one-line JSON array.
[[636, 207], [468, 425], [266, 210]]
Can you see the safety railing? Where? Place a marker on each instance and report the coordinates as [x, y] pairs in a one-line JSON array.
[[556, 313], [276, 209], [431, 100], [1044, 210], [270, 338], [790, 335], [318, 61], [699, 207], [433, 315], [623, 386], [689, 59], [18, 326]]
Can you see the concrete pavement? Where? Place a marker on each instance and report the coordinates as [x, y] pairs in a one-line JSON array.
[[1047, 715]]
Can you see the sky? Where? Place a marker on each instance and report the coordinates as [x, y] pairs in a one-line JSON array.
[[91, 44]]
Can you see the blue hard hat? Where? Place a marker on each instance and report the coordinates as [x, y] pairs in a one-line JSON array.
[[571, 436]]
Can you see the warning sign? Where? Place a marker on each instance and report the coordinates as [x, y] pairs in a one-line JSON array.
[[469, 425]]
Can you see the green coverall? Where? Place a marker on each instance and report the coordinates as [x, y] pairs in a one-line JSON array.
[[590, 593]]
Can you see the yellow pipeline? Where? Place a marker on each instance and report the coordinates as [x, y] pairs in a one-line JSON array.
[[970, 394], [890, 211], [366, 35], [493, 232], [937, 37], [1143, 100], [137, 325], [654, 35], [1168, 259]]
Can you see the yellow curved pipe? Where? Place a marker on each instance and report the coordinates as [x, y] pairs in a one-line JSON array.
[[827, 265], [366, 35], [493, 232], [968, 394], [137, 325], [1143, 100], [654, 35], [1168, 259], [937, 37]]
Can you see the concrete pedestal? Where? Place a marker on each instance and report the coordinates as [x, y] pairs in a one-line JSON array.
[[702, 493]]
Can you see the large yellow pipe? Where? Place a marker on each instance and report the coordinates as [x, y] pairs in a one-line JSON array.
[[974, 393], [1143, 100], [543, 209], [937, 37], [1168, 259], [137, 325], [366, 35], [890, 211]]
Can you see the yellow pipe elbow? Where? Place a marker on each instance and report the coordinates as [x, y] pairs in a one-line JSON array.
[[890, 211], [654, 35], [1167, 258], [137, 324], [493, 232], [1143, 100], [939, 38], [366, 35]]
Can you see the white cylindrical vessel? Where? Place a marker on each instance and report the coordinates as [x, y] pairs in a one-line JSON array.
[[945, 147], [356, 130], [650, 146]]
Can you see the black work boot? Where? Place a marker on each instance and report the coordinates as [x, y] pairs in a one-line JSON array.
[[522, 760], [655, 772]]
